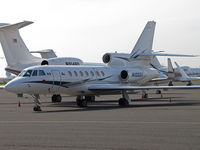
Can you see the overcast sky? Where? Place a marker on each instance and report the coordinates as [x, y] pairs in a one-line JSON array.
[[89, 28]]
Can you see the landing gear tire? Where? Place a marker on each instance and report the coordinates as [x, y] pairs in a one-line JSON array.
[[36, 108], [189, 83], [123, 102], [81, 102], [90, 98], [145, 95], [170, 83], [158, 91], [56, 99]]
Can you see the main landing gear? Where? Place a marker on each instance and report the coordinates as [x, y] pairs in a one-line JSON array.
[[144, 94], [56, 98], [125, 100], [83, 100], [189, 83], [37, 102], [170, 83]]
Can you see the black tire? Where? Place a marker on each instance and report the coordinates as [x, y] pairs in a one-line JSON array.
[[90, 98], [123, 102], [158, 92], [58, 98], [53, 99], [36, 108], [83, 103], [145, 95], [78, 101], [170, 83]]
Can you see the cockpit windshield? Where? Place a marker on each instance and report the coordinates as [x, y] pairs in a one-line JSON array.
[[25, 73]]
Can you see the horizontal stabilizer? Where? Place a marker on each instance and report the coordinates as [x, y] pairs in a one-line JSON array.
[[46, 54], [164, 54], [4, 26], [111, 87]]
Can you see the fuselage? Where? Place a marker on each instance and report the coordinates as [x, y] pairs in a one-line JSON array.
[[75, 80]]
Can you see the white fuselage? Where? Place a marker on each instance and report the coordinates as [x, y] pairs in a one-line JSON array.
[[74, 80]]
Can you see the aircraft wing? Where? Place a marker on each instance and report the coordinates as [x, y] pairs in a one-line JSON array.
[[111, 87], [2, 87]]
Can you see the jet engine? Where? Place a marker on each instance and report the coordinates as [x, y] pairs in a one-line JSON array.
[[115, 59], [139, 75]]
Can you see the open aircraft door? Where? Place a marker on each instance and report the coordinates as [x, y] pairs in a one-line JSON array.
[[56, 80]]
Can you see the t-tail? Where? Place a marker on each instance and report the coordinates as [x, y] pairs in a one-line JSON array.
[[13, 46], [145, 41]]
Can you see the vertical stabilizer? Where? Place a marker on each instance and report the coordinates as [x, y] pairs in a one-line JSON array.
[[170, 67], [13, 46], [170, 74], [182, 72], [145, 41]]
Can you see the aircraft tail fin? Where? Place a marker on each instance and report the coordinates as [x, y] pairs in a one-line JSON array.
[[145, 41], [184, 76], [170, 73], [13, 46]]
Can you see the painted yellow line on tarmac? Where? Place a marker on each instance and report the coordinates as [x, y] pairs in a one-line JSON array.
[[96, 122]]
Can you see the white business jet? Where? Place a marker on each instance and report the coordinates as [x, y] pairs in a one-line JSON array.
[[84, 82], [179, 74], [18, 57]]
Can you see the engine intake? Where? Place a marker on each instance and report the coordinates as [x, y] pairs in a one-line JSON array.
[[106, 58], [124, 75], [44, 62]]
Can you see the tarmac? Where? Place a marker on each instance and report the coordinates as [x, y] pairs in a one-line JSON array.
[[170, 122]]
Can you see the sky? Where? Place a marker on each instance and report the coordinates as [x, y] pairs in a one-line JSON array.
[[88, 29]]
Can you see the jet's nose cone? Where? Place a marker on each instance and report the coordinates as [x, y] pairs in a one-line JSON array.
[[11, 87]]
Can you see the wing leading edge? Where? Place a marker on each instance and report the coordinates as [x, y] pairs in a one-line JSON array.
[[108, 87]]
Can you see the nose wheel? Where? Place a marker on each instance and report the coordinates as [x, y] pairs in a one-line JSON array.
[[37, 108], [37, 102]]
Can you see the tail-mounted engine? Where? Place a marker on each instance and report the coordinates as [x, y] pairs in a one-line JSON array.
[[116, 59], [139, 75]]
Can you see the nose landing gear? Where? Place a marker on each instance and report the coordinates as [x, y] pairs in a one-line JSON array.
[[37, 102]]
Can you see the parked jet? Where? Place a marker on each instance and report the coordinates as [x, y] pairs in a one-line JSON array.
[[18, 56], [179, 74], [84, 82], [141, 55]]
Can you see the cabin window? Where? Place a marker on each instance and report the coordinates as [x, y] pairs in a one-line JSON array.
[[22, 73], [41, 73], [34, 73], [76, 74], [70, 74], [97, 73], [81, 73], [102, 73], [86, 73], [92, 73], [28, 73]]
